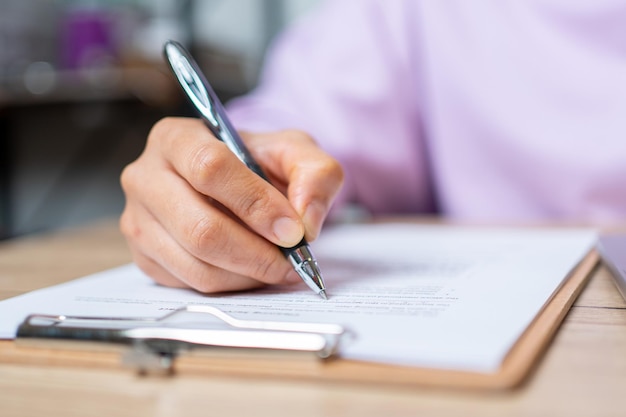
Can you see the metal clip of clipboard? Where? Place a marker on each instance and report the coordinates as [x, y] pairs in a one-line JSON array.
[[155, 342]]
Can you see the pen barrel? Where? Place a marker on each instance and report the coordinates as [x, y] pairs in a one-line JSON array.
[[305, 264], [294, 252], [210, 108]]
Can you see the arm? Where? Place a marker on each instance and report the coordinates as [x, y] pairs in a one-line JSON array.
[[347, 75]]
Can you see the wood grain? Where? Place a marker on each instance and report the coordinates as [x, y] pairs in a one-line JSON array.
[[582, 373]]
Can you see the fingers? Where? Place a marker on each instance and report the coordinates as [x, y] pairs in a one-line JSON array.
[[211, 169], [201, 229], [313, 178], [163, 259]]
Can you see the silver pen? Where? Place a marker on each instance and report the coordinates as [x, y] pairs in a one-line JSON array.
[[204, 99]]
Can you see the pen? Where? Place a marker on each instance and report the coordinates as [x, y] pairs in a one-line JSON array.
[[204, 99]]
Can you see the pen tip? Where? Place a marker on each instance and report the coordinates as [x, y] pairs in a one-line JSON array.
[[322, 294]]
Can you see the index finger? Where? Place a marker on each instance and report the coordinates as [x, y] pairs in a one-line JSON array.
[[213, 170]]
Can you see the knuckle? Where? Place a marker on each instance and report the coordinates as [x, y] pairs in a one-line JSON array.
[[129, 178], [262, 267], [206, 163], [299, 135], [333, 170], [327, 165], [166, 132], [269, 267], [204, 233], [161, 128], [254, 205]]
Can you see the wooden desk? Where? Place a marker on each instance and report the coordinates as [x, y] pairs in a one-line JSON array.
[[582, 374]]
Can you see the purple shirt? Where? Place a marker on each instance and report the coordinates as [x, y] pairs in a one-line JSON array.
[[493, 110]]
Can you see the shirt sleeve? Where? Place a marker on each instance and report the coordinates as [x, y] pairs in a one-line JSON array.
[[347, 75]]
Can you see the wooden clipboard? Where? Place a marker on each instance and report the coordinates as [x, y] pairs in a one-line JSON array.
[[518, 365]]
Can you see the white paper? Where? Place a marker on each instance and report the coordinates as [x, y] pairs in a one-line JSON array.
[[430, 296]]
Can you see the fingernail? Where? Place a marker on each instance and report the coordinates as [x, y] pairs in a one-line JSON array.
[[313, 219], [288, 232]]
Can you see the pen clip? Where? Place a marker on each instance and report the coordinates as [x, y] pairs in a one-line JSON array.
[[188, 76], [206, 102]]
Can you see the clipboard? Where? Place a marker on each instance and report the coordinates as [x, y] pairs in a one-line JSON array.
[[516, 368]]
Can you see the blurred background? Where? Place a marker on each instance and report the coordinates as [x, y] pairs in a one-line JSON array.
[[82, 82]]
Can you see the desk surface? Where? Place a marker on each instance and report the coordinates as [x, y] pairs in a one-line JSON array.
[[582, 374]]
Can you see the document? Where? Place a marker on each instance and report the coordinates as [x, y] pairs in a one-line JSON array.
[[413, 295]]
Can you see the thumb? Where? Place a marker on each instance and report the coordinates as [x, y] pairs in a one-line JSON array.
[[309, 176]]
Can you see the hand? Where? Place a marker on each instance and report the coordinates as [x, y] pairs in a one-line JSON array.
[[197, 217]]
